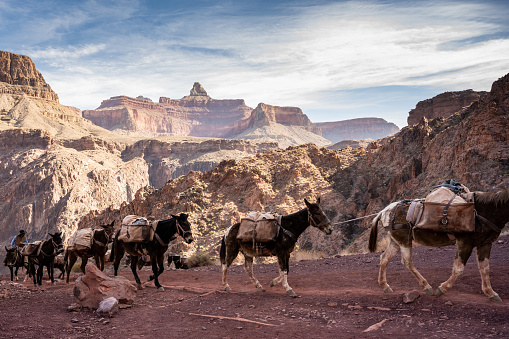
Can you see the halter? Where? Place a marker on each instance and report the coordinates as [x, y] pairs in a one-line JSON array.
[[182, 233], [313, 222]]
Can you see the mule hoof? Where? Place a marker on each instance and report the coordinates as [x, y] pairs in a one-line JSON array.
[[227, 289], [160, 289], [139, 286], [495, 298], [151, 278], [388, 290], [260, 289], [439, 292], [428, 291], [272, 283], [291, 293]]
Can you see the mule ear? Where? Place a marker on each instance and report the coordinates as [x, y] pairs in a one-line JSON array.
[[174, 216], [6, 249], [318, 200], [307, 202], [51, 235], [112, 223]]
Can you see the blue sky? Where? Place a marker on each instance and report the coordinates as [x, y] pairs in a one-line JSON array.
[[336, 60]]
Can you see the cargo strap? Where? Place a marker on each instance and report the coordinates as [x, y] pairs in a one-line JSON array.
[[488, 223], [444, 220], [314, 223]]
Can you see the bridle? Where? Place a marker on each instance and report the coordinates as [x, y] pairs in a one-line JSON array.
[[180, 231], [312, 221]]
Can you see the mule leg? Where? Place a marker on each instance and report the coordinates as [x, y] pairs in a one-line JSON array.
[[134, 261], [385, 258], [157, 269], [12, 272], [483, 262], [463, 252], [406, 259], [71, 260], [284, 267], [119, 254], [248, 267], [231, 252], [84, 261]]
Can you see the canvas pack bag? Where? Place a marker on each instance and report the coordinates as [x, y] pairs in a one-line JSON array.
[[259, 227], [136, 229], [81, 240], [32, 248], [445, 211]]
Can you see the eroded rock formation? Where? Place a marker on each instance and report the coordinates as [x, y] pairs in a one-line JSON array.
[[356, 129], [443, 105], [18, 75], [472, 147]]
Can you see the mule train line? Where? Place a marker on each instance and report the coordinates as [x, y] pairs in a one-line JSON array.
[[469, 220]]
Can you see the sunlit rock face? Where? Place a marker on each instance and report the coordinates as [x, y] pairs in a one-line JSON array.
[[18, 75], [356, 129], [443, 105]]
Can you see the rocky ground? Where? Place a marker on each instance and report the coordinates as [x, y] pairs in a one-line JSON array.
[[337, 298]]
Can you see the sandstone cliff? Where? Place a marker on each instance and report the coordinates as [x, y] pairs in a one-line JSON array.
[[199, 115], [357, 129], [18, 75], [443, 105]]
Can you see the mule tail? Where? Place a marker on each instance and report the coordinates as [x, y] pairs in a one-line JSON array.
[[222, 252], [373, 235], [66, 256]]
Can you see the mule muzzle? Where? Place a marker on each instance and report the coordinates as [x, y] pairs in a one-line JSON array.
[[327, 229], [188, 238]]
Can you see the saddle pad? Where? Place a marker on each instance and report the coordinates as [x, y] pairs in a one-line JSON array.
[[81, 240], [136, 229], [258, 227], [135, 220], [443, 195], [460, 218], [31, 248]]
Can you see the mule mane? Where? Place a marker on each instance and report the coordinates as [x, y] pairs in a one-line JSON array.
[[500, 197]]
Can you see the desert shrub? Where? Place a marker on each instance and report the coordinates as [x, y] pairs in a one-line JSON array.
[[76, 268], [199, 258]]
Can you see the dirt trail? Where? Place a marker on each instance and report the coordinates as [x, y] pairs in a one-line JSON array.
[[338, 298]]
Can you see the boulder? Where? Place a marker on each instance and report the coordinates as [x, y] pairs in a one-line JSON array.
[[95, 286]]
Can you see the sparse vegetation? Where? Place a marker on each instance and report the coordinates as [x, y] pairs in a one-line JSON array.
[[198, 259]]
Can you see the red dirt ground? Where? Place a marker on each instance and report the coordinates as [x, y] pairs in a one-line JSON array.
[[338, 298]]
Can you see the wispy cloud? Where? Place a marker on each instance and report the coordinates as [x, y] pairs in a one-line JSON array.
[[304, 53]]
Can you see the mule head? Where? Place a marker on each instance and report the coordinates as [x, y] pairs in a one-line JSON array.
[[317, 217], [57, 242], [185, 227], [10, 257], [109, 230]]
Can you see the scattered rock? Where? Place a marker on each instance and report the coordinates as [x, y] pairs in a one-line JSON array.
[[410, 297], [332, 304], [95, 286], [448, 303], [108, 307], [74, 308], [74, 320]]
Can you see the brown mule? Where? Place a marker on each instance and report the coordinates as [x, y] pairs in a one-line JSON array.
[[292, 226], [492, 214]]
